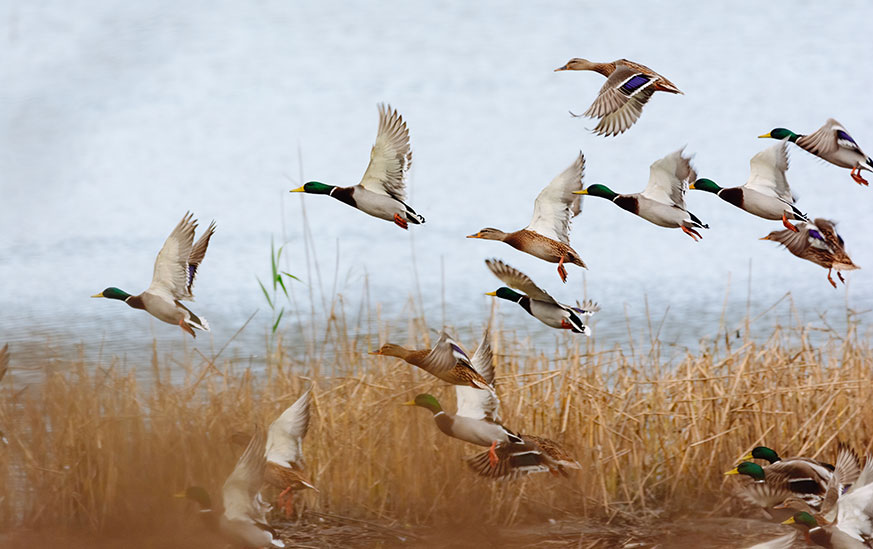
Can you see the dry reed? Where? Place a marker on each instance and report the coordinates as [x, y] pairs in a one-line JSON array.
[[101, 449]]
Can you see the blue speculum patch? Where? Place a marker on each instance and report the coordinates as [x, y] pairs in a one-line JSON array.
[[635, 83], [843, 135], [816, 235]]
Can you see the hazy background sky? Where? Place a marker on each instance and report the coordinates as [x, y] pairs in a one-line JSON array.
[[117, 117]]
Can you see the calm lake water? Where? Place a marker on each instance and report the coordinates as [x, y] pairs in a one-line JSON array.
[[117, 117]]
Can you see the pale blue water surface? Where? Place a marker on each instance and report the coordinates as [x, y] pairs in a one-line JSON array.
[[117, 117]]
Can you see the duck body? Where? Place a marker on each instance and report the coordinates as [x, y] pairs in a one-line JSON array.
[[628, 87], [173, 280], [833, 144], [766, 193], [284, 467], [547, 236], [662, 202], [382, 190], [819, 243], [446, 361]]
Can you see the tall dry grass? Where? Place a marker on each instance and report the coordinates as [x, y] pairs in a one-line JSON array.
[[100, 448]]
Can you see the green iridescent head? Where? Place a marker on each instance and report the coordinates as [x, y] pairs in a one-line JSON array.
[[781, 133], [426, 401], [762, 452], [198, 494], [749, 469], [598, 190], [314, 187], [707, 185], [507, 294], [113, 293], [803, 518]]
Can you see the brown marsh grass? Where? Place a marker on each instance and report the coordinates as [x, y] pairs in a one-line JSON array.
[[98, 448]]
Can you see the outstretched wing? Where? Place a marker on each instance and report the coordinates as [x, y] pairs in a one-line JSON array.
[[767, 172], [241, 489], [285, 435], [171, 275], [555, 205], [828, 139], [668, 179], [516, 279], [480, 403], [390, 157], [444, 356], [198, 252], [621, 99]]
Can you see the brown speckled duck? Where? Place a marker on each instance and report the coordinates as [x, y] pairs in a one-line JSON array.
[[817, 242], [548, 234], [628, 87]]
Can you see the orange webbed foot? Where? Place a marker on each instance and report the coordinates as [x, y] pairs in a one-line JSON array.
[[840, 276], [400, 222], [492, 455], [186, 328], [788, 225], [691, 232], [831, 280]]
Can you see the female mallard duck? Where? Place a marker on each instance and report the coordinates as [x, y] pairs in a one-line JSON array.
[[446, 361], [175, 269], [628, 87], [284, 451], [832, 143], [243, 521], [537, 302], [548, 234], [382, 191], [477, 421], [766, 193], [825, 535], [817, 242], [662, 202]]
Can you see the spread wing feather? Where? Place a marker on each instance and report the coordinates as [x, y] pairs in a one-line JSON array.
[[285, 435], [668, 179], [480, 403], [767, 172], [556, 204], [516, 279], [390, 157]]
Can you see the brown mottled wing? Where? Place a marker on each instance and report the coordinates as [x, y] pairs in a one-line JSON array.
[[827, 139], [554, 450], [443, 357], [390, 157], [554, 206], [620, 101], [4, 360], [847, 469], [170, 279], [198, 252], [516, 279], [241, 489]]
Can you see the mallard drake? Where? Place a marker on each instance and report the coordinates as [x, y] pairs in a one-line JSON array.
[[628, 87], [848, 504], [382, 191], [832, 143], [548, 234], [817, 242], [662, 202], [243, 520], [825, 535], [800, 477], [175, 269], [766, 193], [477, 421], [537, 302], [446, 361], [284, 451]]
